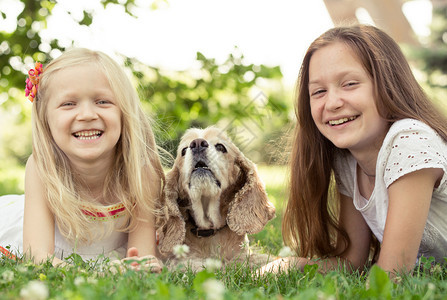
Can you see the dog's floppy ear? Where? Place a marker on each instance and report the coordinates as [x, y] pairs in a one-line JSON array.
[[170, 223], [250, 209]]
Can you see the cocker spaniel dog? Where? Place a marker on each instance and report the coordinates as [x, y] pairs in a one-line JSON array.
[[213, 198]]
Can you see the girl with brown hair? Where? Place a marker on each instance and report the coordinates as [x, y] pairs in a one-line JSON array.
[[368, 158]]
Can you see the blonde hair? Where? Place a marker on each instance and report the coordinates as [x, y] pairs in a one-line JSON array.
[[136, 169], [310, 222]]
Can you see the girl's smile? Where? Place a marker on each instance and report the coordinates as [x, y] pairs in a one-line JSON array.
[[341, 120], [88, 134]]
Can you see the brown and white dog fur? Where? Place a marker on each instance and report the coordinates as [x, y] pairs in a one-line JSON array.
[[213, 198]]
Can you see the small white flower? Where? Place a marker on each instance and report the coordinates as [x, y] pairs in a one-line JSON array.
[[285, 252], [212, 264], [214, 289], [79, 280], [436, 269], [35, 290], [181, 251], [323, 296], [8, 275], [91, 280], [396, 279], [152, 292], [185, 279], [245, 245], [431, 286]]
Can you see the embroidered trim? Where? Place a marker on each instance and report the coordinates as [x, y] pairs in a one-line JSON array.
[[7, 253], [113, 212]]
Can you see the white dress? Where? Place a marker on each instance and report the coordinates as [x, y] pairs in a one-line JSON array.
[[409, 146], [113, 246]]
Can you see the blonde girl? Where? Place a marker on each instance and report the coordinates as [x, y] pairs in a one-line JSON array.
[[368, 161], [94, 174]]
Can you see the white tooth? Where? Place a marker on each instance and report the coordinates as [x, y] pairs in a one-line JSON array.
[[340, 121], [88, 135]]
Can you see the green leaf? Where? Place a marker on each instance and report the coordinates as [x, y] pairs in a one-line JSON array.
[[311, 270], [200, 278], [379, 283], [87, 20]]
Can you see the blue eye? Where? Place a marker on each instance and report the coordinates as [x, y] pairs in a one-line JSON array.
[[103, 102]]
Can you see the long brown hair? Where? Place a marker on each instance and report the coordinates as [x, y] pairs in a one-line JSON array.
[[310, 222]]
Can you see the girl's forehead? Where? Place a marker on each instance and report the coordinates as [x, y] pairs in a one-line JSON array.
[[77, 70], [337, 56], [76, 79]]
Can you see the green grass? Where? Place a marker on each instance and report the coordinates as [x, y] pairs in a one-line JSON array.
[[91, 280]]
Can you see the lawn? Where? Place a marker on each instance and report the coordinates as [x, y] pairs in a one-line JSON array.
[[88, 280]]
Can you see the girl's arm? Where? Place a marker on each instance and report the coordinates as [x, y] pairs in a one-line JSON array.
[[354, 257], [352, 221], [38, 221], [142, 239], [143, 236], [141, 249], [409, 203]]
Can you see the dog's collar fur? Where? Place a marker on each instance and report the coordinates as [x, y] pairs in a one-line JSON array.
[[202, 232]]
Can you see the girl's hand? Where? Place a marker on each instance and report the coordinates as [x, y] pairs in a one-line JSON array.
[[283, 265], [136, 263], [276, 266]]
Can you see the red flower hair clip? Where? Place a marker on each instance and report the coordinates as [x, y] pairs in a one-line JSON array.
[[32, 82]]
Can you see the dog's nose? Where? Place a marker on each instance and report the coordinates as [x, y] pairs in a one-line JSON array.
[[198, 145]]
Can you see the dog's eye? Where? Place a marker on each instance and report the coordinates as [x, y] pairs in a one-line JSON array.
[[221, 148], [184, 151]]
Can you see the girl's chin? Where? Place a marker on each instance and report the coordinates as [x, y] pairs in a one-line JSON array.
[[341, 144]]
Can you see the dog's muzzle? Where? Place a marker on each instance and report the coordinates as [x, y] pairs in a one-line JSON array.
[[201, 169]]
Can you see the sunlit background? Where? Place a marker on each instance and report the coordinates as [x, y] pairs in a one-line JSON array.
[[168, 33], [199, 62]]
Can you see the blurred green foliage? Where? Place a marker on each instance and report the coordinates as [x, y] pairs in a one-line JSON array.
[[226, 95], [432, 58], [25, 44], [246, 100]]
